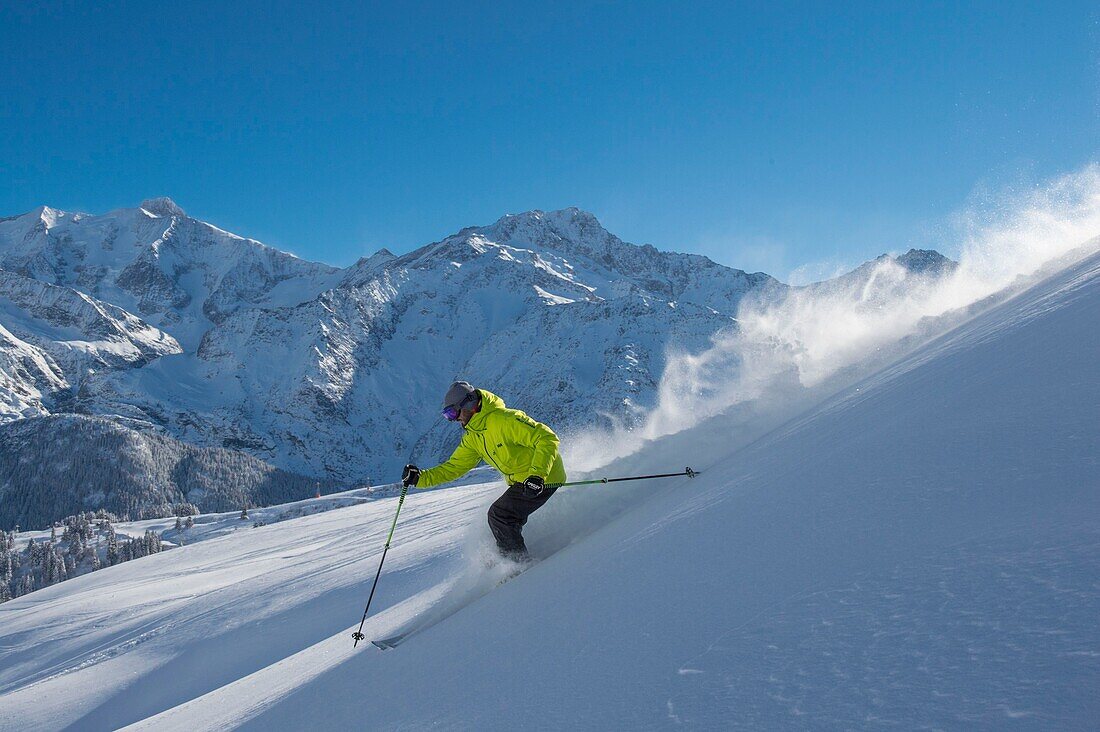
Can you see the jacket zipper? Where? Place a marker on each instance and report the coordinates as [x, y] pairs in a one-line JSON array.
[[486, 446]]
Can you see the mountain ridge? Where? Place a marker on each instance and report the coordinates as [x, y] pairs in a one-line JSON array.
[[333, 372]]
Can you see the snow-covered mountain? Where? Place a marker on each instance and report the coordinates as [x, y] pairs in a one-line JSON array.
[[175, 272], [220, 341], [84, 296], [73, 336], [886, 276], [918, 550]]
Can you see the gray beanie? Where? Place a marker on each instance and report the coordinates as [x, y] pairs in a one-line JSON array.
[[459, 392]]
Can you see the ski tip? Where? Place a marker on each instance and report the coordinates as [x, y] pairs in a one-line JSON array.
[[387, 643]]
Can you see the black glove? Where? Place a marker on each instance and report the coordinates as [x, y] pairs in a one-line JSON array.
[[411, 476], [533, 486]]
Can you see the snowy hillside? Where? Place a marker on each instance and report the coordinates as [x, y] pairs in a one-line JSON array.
[[918, 550]]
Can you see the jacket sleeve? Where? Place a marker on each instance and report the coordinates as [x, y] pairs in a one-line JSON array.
[[462, 460], [522, 430]]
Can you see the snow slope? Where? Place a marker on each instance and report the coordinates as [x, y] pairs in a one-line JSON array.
[[920, 550]]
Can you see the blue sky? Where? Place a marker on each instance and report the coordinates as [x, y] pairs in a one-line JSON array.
[[764, 135]]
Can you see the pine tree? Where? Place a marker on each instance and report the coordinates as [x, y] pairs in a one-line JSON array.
[[6, 581], [60, 572], [185, 509], [113, 556], [48, 571]]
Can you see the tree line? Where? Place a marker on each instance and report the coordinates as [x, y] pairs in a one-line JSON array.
[[88, 542]]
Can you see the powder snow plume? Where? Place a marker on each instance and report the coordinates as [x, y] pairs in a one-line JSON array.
[[790, 350]]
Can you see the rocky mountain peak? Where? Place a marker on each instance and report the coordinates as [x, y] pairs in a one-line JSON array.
[[44, 215], [162, 206], [922, 261], [543, 227]]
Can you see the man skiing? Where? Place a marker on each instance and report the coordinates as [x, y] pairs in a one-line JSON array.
[[523, 450]]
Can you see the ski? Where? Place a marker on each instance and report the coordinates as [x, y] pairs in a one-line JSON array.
[[388, 643]]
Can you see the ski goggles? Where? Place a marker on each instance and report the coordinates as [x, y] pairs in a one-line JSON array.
[[451, 413]]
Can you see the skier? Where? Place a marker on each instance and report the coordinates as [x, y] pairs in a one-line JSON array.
[[523, 450]]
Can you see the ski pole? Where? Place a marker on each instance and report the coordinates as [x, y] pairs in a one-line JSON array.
[[687, 471], [358, 635]]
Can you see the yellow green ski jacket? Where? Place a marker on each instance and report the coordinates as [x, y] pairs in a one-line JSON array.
[[507, 439]]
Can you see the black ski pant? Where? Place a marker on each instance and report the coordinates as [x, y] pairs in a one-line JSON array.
[[509, 513]]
